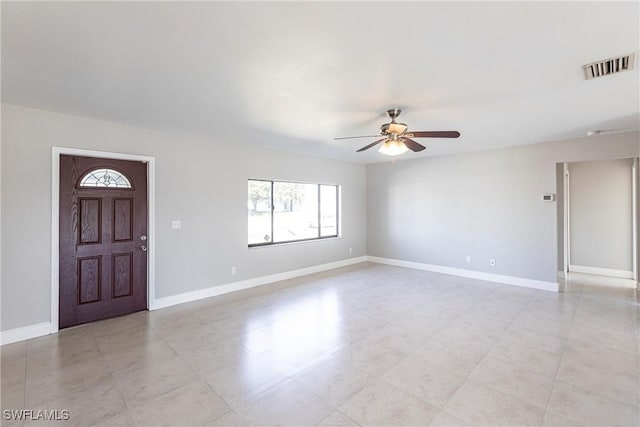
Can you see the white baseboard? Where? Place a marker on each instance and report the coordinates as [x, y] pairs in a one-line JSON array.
[[250, 283], [499, 278], [601, 271], [24, 333]]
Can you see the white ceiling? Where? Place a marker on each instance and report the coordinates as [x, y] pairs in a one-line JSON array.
[[293, 76]]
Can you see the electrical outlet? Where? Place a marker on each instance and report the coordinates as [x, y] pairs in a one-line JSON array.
[[468, 259], [176, 224], [350, 250], [492, 262], [233, 271]]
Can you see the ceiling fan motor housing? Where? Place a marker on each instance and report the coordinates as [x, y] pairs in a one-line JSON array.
[[393, 128]]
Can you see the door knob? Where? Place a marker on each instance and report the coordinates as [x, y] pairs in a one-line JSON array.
[[143, 248], [143, 238]]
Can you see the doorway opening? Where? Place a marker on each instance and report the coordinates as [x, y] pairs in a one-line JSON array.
[[597, 222]]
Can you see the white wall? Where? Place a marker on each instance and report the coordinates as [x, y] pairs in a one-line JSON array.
[[601, 214], [200, 181], [438, 210]]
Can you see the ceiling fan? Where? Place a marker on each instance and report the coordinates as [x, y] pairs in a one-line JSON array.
[[397, 139]]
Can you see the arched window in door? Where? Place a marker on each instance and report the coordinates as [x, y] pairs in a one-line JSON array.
[[105, 178]]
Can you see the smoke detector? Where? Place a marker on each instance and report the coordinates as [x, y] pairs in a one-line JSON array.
[[609, 66]]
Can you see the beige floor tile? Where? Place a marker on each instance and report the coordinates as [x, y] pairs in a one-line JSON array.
[[61, 356], [123, 419], [150, 353], [608, 372], [287, 404], [12, 395], [518, 337], [478, 404], [450, 357], [570, 405], [191, 405], [228, 352], [334, 380], [517, 353], [397, 338], [230, 419], [276, 335], [527, 385], [600, 357], [382, 404], [514, 295], [297, 356], [57, 351], [455, 301], [559, 309], [173, 320], [605, 337], [358, 327], [13, 371], [119, 325], [427, 320], [473, 333], [194, 338], [603, 320], [540, 321], [60, 382], [126, 339], [371, 357], [447, 420], [13, 351], [338, 419], [240, 325], [149, 382], [425, 380], [496, 309], [245, 380], [66, 338], [87, 407]]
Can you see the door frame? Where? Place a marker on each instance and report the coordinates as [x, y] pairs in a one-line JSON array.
[[56, 152], [634, 209]]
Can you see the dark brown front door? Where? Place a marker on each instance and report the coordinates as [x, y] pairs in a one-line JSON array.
[[103, 238]]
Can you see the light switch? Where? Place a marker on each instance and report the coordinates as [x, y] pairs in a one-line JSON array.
[[176, 224]]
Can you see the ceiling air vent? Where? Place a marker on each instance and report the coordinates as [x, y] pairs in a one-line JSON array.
[[609, 66]]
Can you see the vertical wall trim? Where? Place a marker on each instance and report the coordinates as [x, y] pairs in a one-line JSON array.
[[634, 215], [56, 152], [567, 220], [55, 237]]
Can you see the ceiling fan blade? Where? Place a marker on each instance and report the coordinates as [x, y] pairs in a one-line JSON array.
[[412, 145], [366, 147], [352, 137], [434, 134]]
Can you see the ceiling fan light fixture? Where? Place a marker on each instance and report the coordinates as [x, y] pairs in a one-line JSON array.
[[393, 147]]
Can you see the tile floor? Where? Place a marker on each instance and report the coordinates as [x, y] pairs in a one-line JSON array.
[[363, 345]]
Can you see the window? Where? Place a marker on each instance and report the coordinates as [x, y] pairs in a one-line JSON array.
[[105, 178], [280, 212]]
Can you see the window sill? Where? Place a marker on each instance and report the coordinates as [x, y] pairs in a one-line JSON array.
[[295, 242]]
